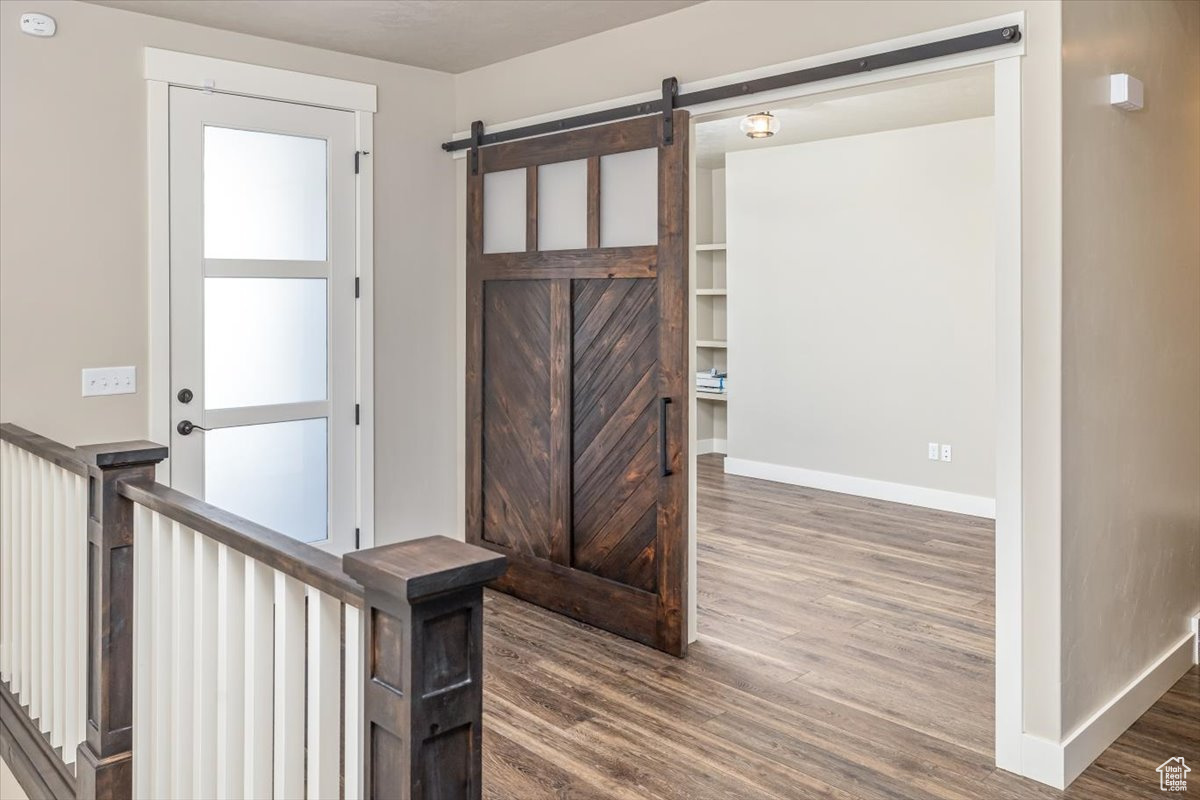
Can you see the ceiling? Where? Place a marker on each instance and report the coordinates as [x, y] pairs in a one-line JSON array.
[[447, 35], [906, 103]]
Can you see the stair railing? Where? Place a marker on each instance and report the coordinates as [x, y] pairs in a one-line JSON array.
[[153, 645]]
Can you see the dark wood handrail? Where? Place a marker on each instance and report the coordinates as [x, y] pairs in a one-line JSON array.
[[293, 558], [54, 452]]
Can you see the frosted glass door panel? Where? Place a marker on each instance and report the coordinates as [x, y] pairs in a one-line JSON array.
[[562, 205], [264, 341], [629, 199], [504, 211], [264, 196], [273, 474]]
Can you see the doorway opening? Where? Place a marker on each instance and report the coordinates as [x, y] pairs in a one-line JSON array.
[[844, 314]]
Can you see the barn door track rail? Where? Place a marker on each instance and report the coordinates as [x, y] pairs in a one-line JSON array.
[[672, 99]]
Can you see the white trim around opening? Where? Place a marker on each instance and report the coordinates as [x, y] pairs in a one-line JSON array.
[[1011, 740]]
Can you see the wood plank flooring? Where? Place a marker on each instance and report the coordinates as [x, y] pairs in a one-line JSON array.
[[845, 652]]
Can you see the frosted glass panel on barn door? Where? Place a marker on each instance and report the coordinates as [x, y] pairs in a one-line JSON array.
[[262, 312]]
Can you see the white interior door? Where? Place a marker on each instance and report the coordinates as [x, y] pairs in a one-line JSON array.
[[262, 311]]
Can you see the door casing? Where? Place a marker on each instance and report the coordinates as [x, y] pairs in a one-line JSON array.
[[163, 69]]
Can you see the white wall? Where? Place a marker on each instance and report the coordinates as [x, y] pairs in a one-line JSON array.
[[73, 240], [864, 321], [1131, 346]]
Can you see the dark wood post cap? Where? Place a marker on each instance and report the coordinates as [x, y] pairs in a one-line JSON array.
[[121, 454], [423, 567]]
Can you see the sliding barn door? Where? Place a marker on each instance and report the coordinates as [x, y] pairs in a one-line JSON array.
[[577, 373]]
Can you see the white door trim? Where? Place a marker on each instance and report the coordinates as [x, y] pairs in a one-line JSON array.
[[166, 68], [1011, 740], [236, 77]]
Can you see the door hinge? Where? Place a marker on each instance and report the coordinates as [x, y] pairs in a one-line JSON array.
[[357, 411], [357, 289], [358, 154], [356, 538]]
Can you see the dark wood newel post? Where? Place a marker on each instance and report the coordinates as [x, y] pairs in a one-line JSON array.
[[105, 758], [423, 667]]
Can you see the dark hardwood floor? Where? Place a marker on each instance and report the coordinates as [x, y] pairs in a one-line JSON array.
[[845, 651]]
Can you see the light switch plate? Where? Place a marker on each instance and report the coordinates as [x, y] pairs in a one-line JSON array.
[[933, 451], [101, 381]]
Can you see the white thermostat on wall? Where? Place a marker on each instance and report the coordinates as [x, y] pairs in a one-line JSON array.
[[37, 25]]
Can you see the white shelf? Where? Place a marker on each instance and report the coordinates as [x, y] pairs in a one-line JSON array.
[[710, 247], [710, 292], [721, 397], [719, 344]]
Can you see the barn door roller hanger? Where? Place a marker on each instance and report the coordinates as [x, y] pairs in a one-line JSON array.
[[672, 99]]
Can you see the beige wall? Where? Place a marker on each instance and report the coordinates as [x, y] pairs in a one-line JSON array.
[[1131, 344], [9, 788], [73, 240], [719, 37], [862, 325]]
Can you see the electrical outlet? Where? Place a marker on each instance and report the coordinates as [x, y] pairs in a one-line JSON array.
[[946, 452], [101, 381], [933, 451]]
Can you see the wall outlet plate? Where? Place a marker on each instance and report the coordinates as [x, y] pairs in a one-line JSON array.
[[101, 381], [934, 452], [947, 452]]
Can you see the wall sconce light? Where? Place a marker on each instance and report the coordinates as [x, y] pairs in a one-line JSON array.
[[760, 125]]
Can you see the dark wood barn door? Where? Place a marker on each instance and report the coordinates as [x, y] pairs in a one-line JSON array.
[[577, 367]]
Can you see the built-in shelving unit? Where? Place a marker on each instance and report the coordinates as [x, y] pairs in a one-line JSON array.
[[711, 300]]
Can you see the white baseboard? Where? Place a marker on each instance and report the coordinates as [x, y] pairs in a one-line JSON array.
[[865, 487], [1090, 739], [706, 446], [1059, 764], [1042, 760]]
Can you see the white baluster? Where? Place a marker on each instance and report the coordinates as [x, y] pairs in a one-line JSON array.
[[352, 703], [324, 700], [231, 672], [143, 650], [6, 573], [45, 632], [260, 660], [289, 688], [79, 627], [183, 654], [23, 606], [33, 697], [162, 658], [205, 670], [58, 626]]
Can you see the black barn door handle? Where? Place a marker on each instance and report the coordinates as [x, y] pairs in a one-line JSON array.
[[663, 402]]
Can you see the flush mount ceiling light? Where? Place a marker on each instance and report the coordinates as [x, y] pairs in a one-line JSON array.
[[760, 125]]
